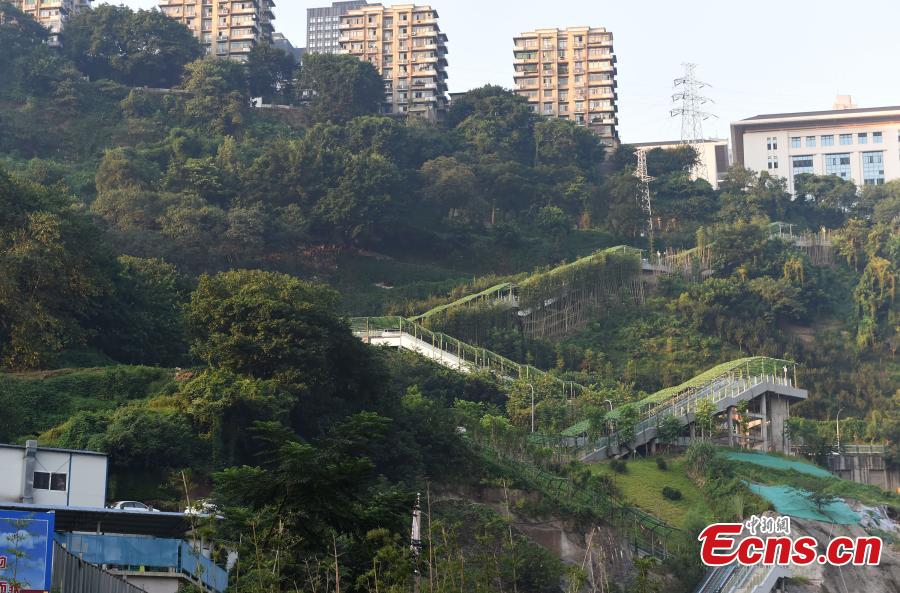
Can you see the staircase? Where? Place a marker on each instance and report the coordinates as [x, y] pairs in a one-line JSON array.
[[398, 332], [734, 578], [744, 380]]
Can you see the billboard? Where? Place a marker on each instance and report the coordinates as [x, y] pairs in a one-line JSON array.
[[26, 551]]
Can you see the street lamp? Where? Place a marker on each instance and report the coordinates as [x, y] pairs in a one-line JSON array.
[[532, 406], [837, 423]]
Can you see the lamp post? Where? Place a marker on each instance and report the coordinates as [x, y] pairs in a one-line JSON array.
[[608, 421], [837, 423], [532, 406]]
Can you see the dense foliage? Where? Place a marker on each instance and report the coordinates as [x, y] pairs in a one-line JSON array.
[[185, 225]]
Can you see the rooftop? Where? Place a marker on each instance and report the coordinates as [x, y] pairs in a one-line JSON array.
[[826, 113], [673, 142], [54, 450]]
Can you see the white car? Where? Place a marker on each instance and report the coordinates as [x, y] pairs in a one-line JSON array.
[[202, 507], [134, 506]]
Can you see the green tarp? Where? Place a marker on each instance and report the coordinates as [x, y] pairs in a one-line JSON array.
[[779, 463], [793, 502]]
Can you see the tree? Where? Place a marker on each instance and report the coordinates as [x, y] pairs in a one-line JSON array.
[[143, 317], [705, 414], [270, 73], [275, 327], [338, 88], [452, 188], [499, 124], [669, 430], [143, 48], [219, 96], [54, 271]]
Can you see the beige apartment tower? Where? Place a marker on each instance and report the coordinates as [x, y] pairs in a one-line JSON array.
[[226, 28], [51, 13], [571, 74], [405, 44]]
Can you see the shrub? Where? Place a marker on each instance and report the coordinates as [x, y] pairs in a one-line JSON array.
[[661, 463], [619, 466], [671, 493]]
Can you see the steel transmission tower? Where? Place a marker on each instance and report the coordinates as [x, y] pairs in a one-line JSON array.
[[640, 172], [690, 104]]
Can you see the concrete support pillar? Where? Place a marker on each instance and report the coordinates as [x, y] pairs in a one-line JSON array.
[[764, 427], [693, 431], [779, 409], [730, 422]]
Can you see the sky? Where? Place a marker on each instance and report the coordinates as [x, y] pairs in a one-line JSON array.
[[758, 56]]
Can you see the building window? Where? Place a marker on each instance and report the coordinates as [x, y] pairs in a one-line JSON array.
[[772, 143], [877, 138], [50, 481], [838, 164], [846, 139], [863, 138], [828, 140], [795, 141], [810, 142], [802, 164], [773, 162], [873, 168]]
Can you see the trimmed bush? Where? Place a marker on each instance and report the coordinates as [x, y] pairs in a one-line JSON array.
[[671, 493], [661, 463], [619, 466]]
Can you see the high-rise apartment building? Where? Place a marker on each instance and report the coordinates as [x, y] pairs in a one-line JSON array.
[[405, 44], [51, 13], [226, 28], [323, 25], [570, 74]]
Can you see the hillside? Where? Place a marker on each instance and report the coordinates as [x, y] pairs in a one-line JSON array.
[[178, 270]]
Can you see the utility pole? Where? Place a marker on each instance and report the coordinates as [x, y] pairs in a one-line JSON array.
[[415, 541], [641, 173], [689, 106]]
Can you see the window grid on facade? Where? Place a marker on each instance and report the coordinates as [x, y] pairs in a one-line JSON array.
[[838, 164], [795, 141], [802, 164], [773, 162], [873, 168], [828, 140], [846, 139], [810, 142]]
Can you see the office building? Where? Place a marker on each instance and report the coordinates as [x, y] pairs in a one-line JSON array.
[[323, 26], [55, 477], [284, 44], [713, 160], [226, 28], [570, 74], [51, 13], [405, 44], [857, 144]]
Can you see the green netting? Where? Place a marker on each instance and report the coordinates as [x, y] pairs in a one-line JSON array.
[[793, 502], [464, 300], [755, 365], [781, 463]]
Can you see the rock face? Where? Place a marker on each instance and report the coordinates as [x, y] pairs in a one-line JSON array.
[[844, 579]]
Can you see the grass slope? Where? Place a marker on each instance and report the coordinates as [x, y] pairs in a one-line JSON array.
[[642, 486]]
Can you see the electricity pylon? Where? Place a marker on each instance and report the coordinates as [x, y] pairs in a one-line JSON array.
[[641, 173], [690, 104]]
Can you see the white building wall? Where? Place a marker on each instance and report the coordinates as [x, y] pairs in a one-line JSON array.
[[757, 153], [85, 477], [11, 474]]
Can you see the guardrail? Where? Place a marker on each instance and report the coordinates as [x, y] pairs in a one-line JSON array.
[[375, 329], [648, 534], [145, 553], [73, 575]]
